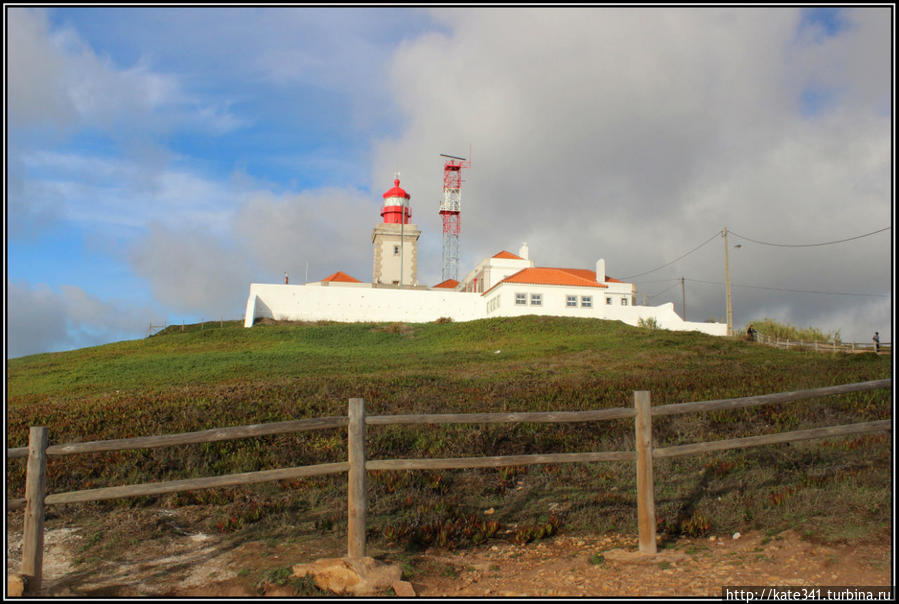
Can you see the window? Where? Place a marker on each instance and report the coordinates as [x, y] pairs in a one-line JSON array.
[[624, 301], [608, 300], [587, 301], [571, 301], [396, 250], [536, 299], [521, 298]]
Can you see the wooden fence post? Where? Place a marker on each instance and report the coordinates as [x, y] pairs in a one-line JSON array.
[[35, 491], [356, 494], [646, 507]]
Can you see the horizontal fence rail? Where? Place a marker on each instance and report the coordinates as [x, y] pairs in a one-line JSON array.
[[545, 417], [772, 439], [357, 466], [453, 463], [767, 399], [189, 438]]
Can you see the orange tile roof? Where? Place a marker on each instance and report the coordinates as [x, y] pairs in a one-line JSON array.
[[554, 276], [508, 256], [448, 284], [342, 277]]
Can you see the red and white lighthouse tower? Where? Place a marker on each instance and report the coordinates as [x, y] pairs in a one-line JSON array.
[[395, 241], [451, 212], [396, 208]]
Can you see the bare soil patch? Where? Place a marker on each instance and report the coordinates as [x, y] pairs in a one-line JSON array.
[[214, 566]]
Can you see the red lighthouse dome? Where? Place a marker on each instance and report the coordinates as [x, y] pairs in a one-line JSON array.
[[396, 205]]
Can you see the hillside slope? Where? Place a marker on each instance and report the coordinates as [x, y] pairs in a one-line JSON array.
[[210, 376]]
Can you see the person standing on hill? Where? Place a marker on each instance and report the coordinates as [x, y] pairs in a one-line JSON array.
[[750, 332], [876, 342]]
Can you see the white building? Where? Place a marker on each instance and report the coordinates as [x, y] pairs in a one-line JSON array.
[[504, 285]]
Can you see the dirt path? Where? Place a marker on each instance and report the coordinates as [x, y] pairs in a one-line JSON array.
[[609, 566], [204, 565]]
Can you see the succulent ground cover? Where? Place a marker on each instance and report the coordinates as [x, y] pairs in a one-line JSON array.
[[213, 375]]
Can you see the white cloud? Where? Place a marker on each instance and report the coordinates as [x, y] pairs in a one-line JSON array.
[[628, 134], [105, 193], [635, 134], [193, 271], [35, 90], [56, 77], [40, 319]]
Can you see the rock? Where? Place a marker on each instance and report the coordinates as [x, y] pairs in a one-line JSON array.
[[343, 576], [737, 536], [489, 512], [403, 589], [15, 586]]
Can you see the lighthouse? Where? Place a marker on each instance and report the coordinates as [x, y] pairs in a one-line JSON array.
[[395, 241]]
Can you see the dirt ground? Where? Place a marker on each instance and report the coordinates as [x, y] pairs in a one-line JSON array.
[[565, 565]]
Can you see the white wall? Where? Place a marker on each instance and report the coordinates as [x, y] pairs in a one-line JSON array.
[[363, 303], [359, 304], [554, 303]]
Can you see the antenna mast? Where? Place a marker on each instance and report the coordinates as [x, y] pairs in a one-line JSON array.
[[451, 212]]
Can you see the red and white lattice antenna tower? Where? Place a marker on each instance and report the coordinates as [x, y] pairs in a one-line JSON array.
[[451, 211]]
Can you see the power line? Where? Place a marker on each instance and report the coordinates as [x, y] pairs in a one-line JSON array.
[[676, 259], [808, 244], [760, 243], [797, 291], [657, 280], [662, 292]]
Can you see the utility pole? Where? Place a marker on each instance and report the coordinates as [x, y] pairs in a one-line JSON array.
[[730, 308], [683, 294]]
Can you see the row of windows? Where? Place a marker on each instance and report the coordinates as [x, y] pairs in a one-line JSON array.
[[570, 301], [586, 301], [493, 304]]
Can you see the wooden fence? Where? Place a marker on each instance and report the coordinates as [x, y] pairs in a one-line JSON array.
[[822, 346], [357, 466]]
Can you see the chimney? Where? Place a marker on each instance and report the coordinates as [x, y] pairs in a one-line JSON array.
[[600, 271], [523, 250]]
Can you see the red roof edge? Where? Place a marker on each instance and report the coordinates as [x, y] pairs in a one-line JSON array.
[[342, 277], [448, 284], [508, 256]]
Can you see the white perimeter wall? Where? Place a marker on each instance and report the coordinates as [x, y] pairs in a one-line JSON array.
[[555, 300], [364, 304], [359, 304]]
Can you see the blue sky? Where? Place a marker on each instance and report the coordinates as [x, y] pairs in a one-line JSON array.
[[159, 159]]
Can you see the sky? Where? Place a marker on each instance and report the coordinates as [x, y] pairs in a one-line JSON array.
[[161, 159]]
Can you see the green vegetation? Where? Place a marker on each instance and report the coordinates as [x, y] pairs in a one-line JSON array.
[[649, 323], [215, 376], [781, 331]]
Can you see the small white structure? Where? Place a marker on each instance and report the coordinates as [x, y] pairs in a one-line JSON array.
[[504, 285]]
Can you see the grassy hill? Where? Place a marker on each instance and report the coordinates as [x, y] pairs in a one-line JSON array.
[[209, 376]]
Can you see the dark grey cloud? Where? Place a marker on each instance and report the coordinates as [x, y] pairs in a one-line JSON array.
[[634, 135]]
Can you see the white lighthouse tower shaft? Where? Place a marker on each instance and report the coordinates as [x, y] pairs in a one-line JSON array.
[[451, 212]]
